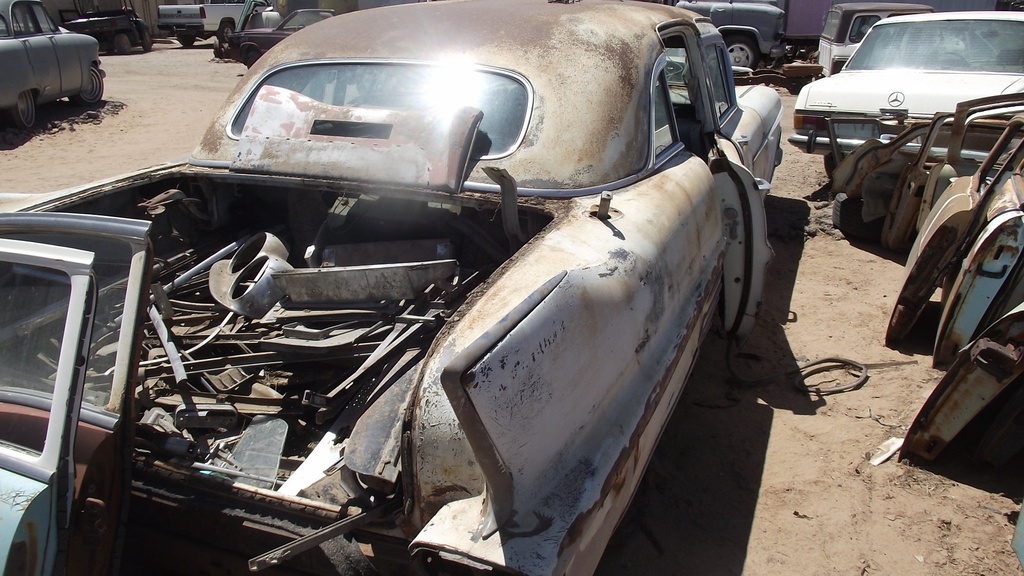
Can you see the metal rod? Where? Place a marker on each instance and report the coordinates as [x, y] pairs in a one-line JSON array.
[[343, 526]]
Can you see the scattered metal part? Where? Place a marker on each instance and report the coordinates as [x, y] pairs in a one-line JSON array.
[[827, 365], [509, 207], [245, 283], [170, 348], [343, 526], [208, 416], [320, 287], [604, 206], [203, 266]]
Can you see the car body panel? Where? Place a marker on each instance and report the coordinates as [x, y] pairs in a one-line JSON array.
[[516, 385], [900, 179], [626, 148], [933, 249], [992, 257], [982, 374], [29, 530], [52, 64]]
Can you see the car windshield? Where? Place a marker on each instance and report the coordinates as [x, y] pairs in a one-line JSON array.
[[948, 45], [502, 98]]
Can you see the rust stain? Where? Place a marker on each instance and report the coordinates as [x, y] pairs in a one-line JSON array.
[[629, 458], [603, 131]]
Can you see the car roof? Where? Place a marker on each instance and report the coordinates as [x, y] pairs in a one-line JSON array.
[[589, 64], [867, 6], [942, 16]]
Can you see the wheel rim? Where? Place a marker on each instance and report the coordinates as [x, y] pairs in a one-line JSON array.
[[26, 108], [94, 90], [740, 55]]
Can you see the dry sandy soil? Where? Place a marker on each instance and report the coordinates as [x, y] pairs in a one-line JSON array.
[[752, 476]]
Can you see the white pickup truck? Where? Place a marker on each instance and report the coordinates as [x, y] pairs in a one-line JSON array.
[[188, 22]]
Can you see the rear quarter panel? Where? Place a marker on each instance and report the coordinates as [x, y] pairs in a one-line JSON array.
[[575, 397]]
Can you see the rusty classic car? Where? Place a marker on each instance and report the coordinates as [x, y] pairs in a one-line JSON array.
[[422, 300]]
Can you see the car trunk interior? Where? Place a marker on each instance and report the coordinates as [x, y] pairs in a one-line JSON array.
[[288, 320]]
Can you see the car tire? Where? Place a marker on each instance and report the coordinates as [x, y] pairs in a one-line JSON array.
[[250, 56], [92, 92], [742, 51], [121, 44], [23, 114], [848, 218], [829, 163], [220, 47], [186, 40], [146, 40]]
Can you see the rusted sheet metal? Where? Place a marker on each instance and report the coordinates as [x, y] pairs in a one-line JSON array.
[[977, 376], [792, 77], [746, 262], [564, 433], [850, 175], [26, 506], [347, 284], [288, 133], [901, 180], [557, 46], [986, 268], [959, 215]]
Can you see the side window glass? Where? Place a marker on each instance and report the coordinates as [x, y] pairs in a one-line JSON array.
[[664, 135], [33, 313], [24, 23], [5, 30], [43, 19], [719, 86], [861, 25]]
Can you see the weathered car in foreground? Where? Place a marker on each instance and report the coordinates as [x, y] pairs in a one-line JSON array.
[[422, 300], [248, 45], [40, 63], [910, 67]]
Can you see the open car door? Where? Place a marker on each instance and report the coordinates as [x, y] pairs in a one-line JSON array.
[[71, 290]]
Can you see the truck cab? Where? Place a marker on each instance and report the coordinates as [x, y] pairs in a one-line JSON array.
[[846, 25]]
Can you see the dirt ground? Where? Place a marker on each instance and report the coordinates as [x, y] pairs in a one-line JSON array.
[[752, 476]]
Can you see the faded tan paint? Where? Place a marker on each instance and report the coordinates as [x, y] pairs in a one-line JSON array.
[[602, 133]]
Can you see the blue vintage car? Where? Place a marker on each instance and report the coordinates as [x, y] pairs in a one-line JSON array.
[[41, 62]]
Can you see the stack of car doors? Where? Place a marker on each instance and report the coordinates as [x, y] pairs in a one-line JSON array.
[[953, 191]]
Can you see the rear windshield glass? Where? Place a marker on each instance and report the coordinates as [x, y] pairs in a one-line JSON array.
[[952, 45], [503, 98]]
